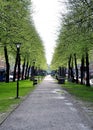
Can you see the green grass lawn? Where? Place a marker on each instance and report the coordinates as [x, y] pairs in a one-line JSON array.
[[80, 91], [8, 93]]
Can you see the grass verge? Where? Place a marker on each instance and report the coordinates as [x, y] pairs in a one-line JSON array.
[[80, 91], [8, 93]]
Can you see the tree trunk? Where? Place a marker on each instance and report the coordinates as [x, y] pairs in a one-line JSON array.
[[7, 64], [60, 74], [72, 74], [87, 70], [82, 69], [76, 68], [69, 67], [23, 69], [26, 70]]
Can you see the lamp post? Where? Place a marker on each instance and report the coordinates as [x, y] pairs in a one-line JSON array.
[[18, 63]]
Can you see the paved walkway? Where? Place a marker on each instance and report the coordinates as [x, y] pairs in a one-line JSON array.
[[47, 108]]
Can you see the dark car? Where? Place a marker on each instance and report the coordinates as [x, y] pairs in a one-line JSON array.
[[2, 75]]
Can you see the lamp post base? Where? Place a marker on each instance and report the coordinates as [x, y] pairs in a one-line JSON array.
[[17, 97]]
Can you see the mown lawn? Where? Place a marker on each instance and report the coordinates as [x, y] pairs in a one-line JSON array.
[[8, 93], [80, 91]]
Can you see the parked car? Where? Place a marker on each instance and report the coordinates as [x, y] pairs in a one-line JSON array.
[[2, 75], [91, 82], [11, 76], [90, 78]]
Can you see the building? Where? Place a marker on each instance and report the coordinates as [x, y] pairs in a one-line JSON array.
[[2, 63]]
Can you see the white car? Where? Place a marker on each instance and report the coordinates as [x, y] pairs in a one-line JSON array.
[[10, 77], [91, 82]]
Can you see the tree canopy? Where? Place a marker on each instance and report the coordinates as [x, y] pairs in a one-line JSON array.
[[17, 26], [76, 33]]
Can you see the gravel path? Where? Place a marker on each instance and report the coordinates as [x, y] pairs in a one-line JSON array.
[[47, 108]]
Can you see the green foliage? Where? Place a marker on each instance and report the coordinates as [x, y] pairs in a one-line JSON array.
[[76, 35], [16, 26]]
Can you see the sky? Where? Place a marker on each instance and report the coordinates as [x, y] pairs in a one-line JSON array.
[[46, 18]]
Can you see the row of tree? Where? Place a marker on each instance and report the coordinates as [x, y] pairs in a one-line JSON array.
[[75, 39], [16, 26]]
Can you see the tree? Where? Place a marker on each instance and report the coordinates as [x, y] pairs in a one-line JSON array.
[[16, 26], [75, 36]]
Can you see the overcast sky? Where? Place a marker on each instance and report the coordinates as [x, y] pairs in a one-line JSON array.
[[46, 17]]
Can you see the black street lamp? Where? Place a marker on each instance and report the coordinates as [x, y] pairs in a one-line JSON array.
[[18, 63]]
